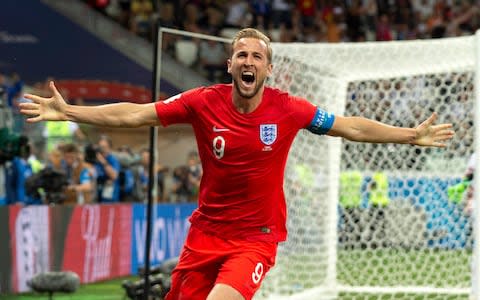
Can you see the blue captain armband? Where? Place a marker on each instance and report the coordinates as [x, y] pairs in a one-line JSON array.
[[321, 122]]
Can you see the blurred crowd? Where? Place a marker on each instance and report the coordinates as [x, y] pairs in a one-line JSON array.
[[57, 163], [324, 21], [301, 20]]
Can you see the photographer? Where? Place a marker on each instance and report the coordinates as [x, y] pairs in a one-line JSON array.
[[108, 168], [18, 170], [181, 189], [142, 177], [81, 175], [14, 153]]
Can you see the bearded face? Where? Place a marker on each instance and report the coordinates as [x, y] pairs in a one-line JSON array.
[[249, 67]]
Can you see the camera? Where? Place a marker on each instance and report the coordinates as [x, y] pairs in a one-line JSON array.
[[160, 282], [90, 155], [48, 185], [159, 286], [12, 145]]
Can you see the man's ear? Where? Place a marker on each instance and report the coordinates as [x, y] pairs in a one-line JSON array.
[[229, 66], [269, 70]]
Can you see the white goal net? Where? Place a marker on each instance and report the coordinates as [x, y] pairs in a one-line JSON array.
[[374, 221]]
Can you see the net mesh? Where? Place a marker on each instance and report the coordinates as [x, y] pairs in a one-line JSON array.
[[374, 221]]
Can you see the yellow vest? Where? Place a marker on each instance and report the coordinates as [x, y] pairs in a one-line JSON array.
[[57, 132], [379, 194], [305, 175], [350, 189], [35, 164]]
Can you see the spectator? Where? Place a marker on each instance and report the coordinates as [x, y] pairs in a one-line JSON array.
[[17, 172], [81, 176], [212, 58], [114, 10], [281, 14], [237, 14], [181, 191], [167, 19], [191, 18], [468, 176], [34, 160], [436, 23], [195, 173], [463, 194], [371, 13], [355, 16], [214, 19], [125, 15], [331, 16], [58, 133], [126, 177], [141, 16], [261, 10], [161, 174], [108, 168], [99, 5], [307, 10], [423, 8], [384, 30], [14, 90], [142, 176]]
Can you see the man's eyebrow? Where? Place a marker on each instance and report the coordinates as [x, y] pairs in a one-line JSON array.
[[253, 52]]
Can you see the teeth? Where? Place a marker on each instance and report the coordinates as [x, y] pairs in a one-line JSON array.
[[248, 73]]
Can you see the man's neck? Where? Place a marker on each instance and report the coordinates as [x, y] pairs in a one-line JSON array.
[[247, 105]]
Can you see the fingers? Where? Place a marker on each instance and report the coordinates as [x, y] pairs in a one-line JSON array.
[[54, 89], [443, 138], [35, 98], [435, 135], [431, 119], [38, 99], [28, 105], [439, 145], [448, 133], [29, 109], [30, 112], [34, 119], [442, 126], [442, 133]]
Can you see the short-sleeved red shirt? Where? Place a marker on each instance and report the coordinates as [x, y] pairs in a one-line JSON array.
[[243, 158]]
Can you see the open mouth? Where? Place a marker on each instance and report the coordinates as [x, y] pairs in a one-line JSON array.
[[248, 77]]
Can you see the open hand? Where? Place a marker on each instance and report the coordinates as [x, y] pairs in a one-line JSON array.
[[44, 109], [433, 135]]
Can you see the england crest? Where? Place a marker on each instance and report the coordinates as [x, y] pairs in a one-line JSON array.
[[268, 133]]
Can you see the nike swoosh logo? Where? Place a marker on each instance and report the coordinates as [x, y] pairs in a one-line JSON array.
[[215, 129]]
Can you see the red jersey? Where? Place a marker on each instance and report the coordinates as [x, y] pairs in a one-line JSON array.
[[243, 158]]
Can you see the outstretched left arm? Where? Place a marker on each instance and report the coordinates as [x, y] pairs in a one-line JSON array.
[[360, 129]]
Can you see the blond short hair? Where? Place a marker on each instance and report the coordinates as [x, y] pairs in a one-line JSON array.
[[256, 34]]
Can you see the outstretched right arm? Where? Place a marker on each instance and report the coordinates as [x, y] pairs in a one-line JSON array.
[[55, 108]]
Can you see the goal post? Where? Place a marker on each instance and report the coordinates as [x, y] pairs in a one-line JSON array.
[[374, 221], [476, 254]]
